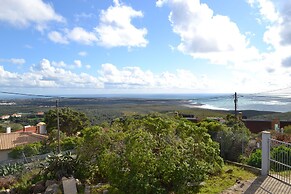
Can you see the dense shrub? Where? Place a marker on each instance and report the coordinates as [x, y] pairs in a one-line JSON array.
[[69, 143], [150, 154], [44, 147], [66, 143], [71, 121], [280, 153], [287, 129], [59, 165], [28, 150], [232, 136], [255, 159]]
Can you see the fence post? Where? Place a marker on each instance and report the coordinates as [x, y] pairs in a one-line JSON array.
[[265, 152]]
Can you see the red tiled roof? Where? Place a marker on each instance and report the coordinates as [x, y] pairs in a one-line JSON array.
[[28, 129]]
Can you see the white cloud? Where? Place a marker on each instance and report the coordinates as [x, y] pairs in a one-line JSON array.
[[57, 37], [22, 13], [116, 29], [286, 62], [17, 61], [77, 34], [64, 78], [81, 36], [82, 53], [266, 9], [46, 75], [127, 77], [286, 23], [135, 77], [206, 35], [278, 33], [61, 64], [78, 63]]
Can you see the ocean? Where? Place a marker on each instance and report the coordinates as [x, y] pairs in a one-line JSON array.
[[245, 102], [274, 103], [213, 101]]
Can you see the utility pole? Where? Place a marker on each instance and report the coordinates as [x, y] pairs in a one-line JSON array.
[[58, 124], [235, 105]]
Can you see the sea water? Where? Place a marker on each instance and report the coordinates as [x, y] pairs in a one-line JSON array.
[[244, 102], [276, 103], [213, 101]]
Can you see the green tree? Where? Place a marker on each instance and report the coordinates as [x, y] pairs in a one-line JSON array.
[[150, 154], [232, 136], [71, 121]]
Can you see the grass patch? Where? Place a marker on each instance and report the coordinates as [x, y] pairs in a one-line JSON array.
[[216, 184]]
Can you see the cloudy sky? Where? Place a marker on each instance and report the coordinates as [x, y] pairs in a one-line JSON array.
[[130, 46]]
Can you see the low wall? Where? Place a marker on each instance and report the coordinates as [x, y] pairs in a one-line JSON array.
[[252, 169]]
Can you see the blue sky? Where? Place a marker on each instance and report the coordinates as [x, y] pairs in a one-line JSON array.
[[129, 46]]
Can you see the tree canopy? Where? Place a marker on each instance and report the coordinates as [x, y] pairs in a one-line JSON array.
[[232, 136], [71, 121], [150, 154]]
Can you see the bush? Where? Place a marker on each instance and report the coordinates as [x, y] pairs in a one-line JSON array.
[[59, 165], [151, 154], [232, 137], [287, 129], [28, 150], [255, 159], [69, 143], [281, 154]]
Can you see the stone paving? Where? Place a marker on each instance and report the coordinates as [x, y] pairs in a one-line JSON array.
[[260, 185], [268, 184]]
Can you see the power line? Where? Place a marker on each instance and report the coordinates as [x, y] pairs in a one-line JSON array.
[[270, 91]]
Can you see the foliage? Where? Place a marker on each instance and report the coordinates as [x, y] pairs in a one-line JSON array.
[[66, 143], [232, 136], [43, 147], [59, 165], [2, 129], [26, 180], [281, 154], [287, 129], [10, 169], [150, 154], [255, 159], [28, 150], [69, 143], [14, 127], [218, 183], [71, 121]]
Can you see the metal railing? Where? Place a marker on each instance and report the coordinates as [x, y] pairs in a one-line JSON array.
[[280, 160]]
